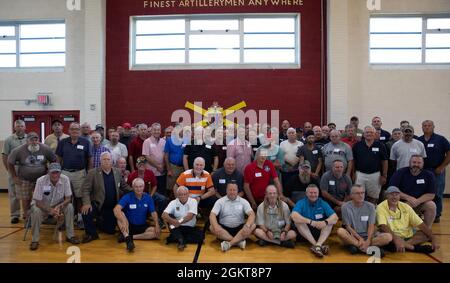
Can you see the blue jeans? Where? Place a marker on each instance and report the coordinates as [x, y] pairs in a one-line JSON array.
[[440, 188], [161, 202]]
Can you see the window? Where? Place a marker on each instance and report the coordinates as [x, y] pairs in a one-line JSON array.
[[410, 39], [32, 44], [216, 41]]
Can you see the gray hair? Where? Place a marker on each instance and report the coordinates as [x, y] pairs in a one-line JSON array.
[[357, 186], [181, 188], [105, 153], [311, 186], [138, 180], [19, 122], [369, 128], [142, 126], [199, 158]]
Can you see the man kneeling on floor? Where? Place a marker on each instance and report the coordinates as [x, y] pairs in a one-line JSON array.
[[52, 197], [399, 219], [232, 227], [131, 212], [314, 219], [273, 220], [180, 214], [358, 230]]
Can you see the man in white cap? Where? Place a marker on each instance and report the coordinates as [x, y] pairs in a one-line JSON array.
[[52, 197], [399, 220]]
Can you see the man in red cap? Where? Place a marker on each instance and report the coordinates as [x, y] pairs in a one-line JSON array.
[[126, 137]]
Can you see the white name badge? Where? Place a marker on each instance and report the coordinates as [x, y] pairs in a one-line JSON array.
[[132, 206], [382, 138], [332, 183], [145, 205], [365, 218], [375, 149], [183, 145], [319, 216], [40, 157], [224, 148], [336, 150], [315, 151], [420, 181], [430, 145], [255, 149], [46, 189], [152, 145], [359, 134], [222, 181], [208, 146], [413, 150], [80, 146], [258, 174]]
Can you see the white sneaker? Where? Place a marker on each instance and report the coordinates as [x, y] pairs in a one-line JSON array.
[[225, 246], [242, 244]]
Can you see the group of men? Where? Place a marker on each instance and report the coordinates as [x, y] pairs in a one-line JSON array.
[[278, 185]]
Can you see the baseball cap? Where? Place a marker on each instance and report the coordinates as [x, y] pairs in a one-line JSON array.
[[141, 160], [410, 128], [56, 121], [32, 135], [309, 133], [126, 125], [305, 163], [99, 126], [54, 167], [392, 189]]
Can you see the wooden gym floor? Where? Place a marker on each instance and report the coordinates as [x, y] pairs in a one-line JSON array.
[[107, 250]]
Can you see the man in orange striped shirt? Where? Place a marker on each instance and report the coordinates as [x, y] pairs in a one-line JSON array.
[[199, 184]]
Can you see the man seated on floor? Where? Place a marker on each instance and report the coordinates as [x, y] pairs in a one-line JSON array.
[[180, 215], [101, 190], [131, 212], [273, 221], [52, 197], [335, 186], [295, 186], [232, 227], [399, 220], [358, 230], [314, 220]]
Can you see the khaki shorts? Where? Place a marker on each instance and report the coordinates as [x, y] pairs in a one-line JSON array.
[[76, 181], [371, 182], [25, 189]]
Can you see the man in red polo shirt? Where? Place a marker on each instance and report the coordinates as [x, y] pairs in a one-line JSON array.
[[257, 176], [135, 147]]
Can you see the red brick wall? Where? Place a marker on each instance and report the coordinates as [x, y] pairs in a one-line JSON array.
[[148, 96]]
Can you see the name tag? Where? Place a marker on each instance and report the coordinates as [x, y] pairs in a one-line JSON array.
[[375, 149], [413, 150], [332, 183], [224, 148], [183, 145], [80, 146], [359, 134], [420, 181], [222, 181], [46, 189], [365, 218], [258, 174], [315, 151], [132, 206], [382, 138], [152, 145], [430, 145], [255, 149], [40, 157], [319, 216], [208, 146], [336, 150], [145, 205]]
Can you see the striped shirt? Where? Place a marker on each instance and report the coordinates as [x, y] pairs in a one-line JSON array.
[[197, 186], [96, 152]]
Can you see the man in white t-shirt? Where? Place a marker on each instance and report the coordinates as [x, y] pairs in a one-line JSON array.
[[227, 219], [181, 214], [403, 149], [290, 148]]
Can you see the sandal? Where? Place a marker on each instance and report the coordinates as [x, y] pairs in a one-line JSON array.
[[317, 251], [325, 249]]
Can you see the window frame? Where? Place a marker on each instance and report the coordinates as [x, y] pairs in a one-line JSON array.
[[206, 66], [423, 48], [17, 38]]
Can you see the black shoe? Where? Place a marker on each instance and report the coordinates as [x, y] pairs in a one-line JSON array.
[[89, 238], [288, 244], [352, 249], [425, 249], [73, 240], [437, 219], [34, 246], [130, 243], [262, 243], [121, 238], [382, 253], [162, 226], [14, 220], [181, 246]]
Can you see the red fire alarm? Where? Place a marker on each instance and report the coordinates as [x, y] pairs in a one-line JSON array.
[[43, 99]]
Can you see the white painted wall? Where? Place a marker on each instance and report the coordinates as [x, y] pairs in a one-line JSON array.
[[82, 81], [355, 88]]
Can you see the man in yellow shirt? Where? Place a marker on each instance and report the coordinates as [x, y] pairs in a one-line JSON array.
[[399, 219]]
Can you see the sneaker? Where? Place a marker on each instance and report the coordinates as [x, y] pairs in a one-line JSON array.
[[262, 243], [130, 243], [437, 220], [242, 244], [288, 244], [121, 238], [317, 251], [352, 249], [225, 246], [14, 220], [34, 246], [325, 249]]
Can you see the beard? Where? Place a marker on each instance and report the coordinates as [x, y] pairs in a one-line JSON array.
[[33, 148], [304, 178]]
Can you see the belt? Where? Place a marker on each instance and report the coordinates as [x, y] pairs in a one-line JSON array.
[[72, 170]]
